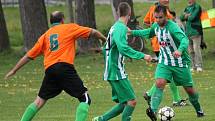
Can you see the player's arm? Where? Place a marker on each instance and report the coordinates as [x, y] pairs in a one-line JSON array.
[[184, 16], [98, 35], [195, 13], [124, 49], [146, 19], [33, 53], [24, 60], [182, 38], [145, 33]]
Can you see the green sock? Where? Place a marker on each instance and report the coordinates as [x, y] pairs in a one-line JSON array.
[[156, 99], [127, 112], [152, 90], [29, 113], [82, 112], [195, 102], [175, 93], [113, 112]]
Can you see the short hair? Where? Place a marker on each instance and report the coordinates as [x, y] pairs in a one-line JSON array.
[[123, 9], [56, 17], [172, 13], [161, 8]]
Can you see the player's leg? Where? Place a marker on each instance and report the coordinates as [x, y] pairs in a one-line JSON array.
[[194, 100], [182, 76], [83, 107], [72, 84], [48, 89], [162, 74], [192, 54], [116, 109], [32, 109]]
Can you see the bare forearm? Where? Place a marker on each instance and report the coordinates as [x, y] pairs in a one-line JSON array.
[[25, 59], [98, 35]]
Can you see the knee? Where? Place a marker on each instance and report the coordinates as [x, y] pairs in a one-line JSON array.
[[85, 98], [132, 103], [160, 83], [39, 102]]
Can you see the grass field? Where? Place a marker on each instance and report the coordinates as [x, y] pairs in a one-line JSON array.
[[21, 90]]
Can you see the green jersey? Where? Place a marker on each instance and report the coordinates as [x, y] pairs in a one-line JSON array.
[[115, 51], [171, 38]]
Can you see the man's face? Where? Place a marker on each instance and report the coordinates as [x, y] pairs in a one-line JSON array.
[[160, 18], [164, 2], [190, 2]]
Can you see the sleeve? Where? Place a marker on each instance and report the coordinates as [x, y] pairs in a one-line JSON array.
[[147, 17], [122, 45], [145, 33], [182, 16], [195, 13], [169, 16], [180, 36], [37, 49], [82, 32]]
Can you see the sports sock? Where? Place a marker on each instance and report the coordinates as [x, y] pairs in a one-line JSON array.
[[82, 112], [127, 112], [175, 93], [152, 90], [30, 112], [113, 112], [195, 102], [156, 99]]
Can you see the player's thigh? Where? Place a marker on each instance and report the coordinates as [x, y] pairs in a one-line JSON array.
[[163, 72], [182, 76], [123, 90], [71, 82]]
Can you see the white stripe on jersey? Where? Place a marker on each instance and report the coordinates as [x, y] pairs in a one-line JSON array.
[[172, 43], [165, 56], [167, 47], [121, 68], [107, 53]]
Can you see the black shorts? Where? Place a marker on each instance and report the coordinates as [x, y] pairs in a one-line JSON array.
[[61, 76]]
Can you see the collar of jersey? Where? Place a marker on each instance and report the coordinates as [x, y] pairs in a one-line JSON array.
[[54, 24]]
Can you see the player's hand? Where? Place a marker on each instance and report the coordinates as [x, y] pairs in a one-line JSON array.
[[129, 31], [177, 54], [148, 58], [9, 74]]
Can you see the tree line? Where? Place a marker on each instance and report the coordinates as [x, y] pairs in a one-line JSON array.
[[34, 20]]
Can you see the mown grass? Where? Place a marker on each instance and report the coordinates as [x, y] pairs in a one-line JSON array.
[[19, 91]]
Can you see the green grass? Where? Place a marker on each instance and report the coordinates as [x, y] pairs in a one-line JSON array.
[[21, 90]]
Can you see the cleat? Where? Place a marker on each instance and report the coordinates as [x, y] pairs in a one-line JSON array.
[[147, 98], [200, 114], [151, 114], [98, 118], [180, 103]]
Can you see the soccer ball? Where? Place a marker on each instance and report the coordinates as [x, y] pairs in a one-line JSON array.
[[166, 113]]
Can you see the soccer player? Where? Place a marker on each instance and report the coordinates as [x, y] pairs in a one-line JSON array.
[[57, 45], [115, 50], [149, 19], [174, 61]]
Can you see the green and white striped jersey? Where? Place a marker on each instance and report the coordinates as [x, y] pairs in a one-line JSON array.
[[115, 51], [171, 38]]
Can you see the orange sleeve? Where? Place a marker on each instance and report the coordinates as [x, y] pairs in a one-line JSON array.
[[147, 18], [82, 32], [169, 15], [37, 49]]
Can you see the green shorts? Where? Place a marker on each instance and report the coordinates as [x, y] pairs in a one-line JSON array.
[[122, 90], [180, 76]]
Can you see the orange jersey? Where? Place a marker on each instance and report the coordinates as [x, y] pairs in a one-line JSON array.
[[58, 43], [149, 18]]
